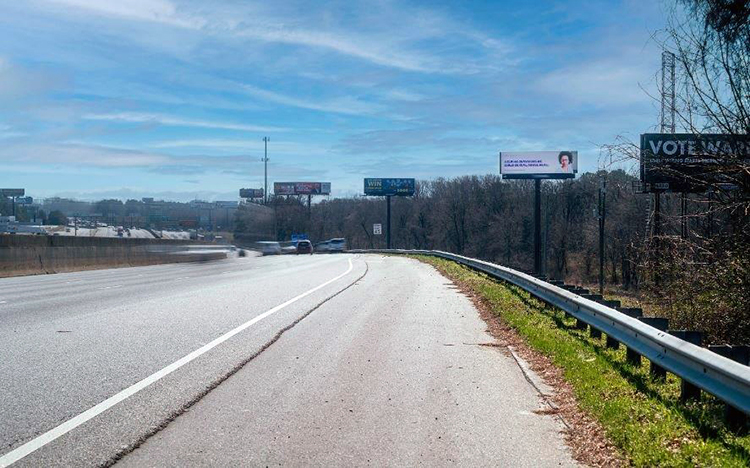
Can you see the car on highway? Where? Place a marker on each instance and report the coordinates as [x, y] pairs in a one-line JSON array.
[[288, 247], [337, 245], [331, 246], [268, 247], [304, 247]]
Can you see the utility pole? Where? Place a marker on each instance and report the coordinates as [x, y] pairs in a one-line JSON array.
[[265, 169]]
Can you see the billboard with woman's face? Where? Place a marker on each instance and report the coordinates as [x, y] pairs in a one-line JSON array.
[[539, 164]]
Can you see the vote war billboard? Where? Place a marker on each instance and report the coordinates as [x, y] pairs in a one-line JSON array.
[[387, 187], [302, 188], [538, 164], [691, 163], [251, 193]]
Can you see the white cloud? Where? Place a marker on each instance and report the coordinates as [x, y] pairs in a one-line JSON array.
[[390, 44], [602, 83], [81, 155], [275, 147], [18, 82], [137, 117], [345, 105], [159, 11]]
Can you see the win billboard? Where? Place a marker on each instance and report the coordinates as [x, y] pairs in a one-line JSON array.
[[389, 187]]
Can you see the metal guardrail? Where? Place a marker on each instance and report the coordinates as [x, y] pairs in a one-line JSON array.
[[720, 376]]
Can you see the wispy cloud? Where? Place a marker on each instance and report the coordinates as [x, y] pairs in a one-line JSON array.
[[388, 46], [345, 105], [277, 147], [160, 119], [159, 11]]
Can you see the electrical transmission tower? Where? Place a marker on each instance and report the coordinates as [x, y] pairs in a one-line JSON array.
[[667, 92]]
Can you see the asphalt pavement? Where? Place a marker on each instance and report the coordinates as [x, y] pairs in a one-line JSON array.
[[294, 360]]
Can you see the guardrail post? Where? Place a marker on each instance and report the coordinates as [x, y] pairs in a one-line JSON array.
[[595, 333], [631, 356], [571, 288], [612, 343], [688, 391], [657, 372], [593, 297], [735, 418]]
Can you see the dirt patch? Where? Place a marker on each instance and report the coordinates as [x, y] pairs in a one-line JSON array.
[[583, 434]]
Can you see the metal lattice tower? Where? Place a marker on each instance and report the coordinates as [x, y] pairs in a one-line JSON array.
[[667, 92]]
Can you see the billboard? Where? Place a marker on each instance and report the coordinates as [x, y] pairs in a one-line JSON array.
[[387, 187], [539, 164], [12, 192], [686, 162], [302, 188], [251, 193]]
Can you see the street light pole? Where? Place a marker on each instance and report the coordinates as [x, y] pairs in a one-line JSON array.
[[265, 169]]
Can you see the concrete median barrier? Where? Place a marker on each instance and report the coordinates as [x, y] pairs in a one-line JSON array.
[[32, 255]]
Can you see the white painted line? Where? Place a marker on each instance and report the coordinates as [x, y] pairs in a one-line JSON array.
[[44, 439], [3, 302]]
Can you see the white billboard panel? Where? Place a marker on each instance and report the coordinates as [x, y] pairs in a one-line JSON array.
[[539, 164]]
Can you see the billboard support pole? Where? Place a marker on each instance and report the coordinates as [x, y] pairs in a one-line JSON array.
[[538, 226], [683, 218], [388, 222], [602, 215], [657, 233], [14, 205], [309, 210]]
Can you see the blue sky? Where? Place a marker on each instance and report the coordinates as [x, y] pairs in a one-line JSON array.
[[171, 99]]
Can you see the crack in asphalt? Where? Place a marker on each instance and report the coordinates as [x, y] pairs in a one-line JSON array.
[[178, 412]]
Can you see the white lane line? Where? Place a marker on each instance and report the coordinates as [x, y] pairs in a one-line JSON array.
[[3, 302], [44, 439]]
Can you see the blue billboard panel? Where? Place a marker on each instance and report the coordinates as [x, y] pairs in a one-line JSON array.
[[386, 187]]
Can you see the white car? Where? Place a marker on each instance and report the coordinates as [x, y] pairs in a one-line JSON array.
[[268, 247], [337, 245]]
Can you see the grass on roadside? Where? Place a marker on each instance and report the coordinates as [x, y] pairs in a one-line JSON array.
[[643, 418]]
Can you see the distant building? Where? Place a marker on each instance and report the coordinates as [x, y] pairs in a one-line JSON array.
[[68, 206]]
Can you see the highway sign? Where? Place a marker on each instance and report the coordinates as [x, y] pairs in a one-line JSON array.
[[539, 164], [251, 193], [25, 201], [12, 192], [689, 163], [389, 187], [377, 229]]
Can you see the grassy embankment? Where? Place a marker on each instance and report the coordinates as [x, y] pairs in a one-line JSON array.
[[644, 419]]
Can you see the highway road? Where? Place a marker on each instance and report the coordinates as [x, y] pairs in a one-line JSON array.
[[294, 360]]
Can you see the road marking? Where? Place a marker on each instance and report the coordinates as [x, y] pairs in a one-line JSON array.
[[3, 302], [49, 436]]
